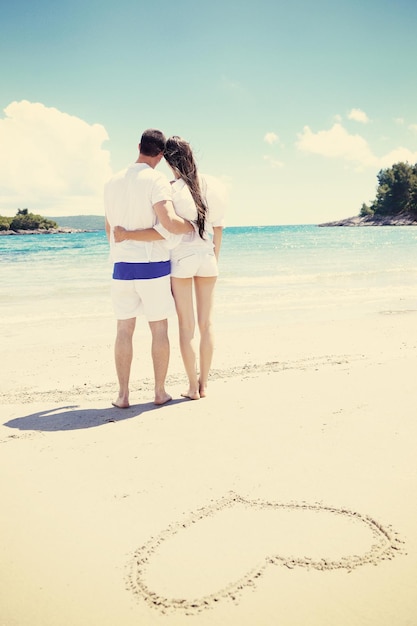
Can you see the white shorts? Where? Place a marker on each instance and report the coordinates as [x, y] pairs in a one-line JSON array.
[[149, 297], [189, 263]]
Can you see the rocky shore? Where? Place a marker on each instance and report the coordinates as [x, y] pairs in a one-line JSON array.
[[398, 220], [42, 231]]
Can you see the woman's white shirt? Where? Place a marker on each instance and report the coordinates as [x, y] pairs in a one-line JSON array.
[[184, 205]]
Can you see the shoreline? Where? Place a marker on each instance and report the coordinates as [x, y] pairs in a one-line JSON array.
[[41, 231], [367, 220]]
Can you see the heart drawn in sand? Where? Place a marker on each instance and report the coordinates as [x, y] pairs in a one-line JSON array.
[[224, 547]]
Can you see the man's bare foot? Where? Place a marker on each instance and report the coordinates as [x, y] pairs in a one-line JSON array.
[[162, 398], [121, 403], [191, 394]]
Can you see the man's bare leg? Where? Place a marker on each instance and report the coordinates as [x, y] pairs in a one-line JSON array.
[[160, 358], [123, 354]]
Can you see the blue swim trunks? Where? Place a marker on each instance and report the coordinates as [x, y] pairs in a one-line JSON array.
[[141, 271]]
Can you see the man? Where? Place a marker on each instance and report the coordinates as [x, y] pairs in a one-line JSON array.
[[135, 200]]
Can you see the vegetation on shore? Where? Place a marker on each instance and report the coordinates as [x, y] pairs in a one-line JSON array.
[[23, 220], [395, 203], [396, 193], [28, 223]]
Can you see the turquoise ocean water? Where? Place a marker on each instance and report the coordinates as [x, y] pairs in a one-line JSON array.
[[268, 273]]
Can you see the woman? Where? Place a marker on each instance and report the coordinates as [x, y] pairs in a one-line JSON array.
[[194, 262]]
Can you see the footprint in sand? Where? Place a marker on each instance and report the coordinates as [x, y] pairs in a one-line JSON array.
[[226, 546]]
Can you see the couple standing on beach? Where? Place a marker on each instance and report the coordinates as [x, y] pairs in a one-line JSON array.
[[164, 241]]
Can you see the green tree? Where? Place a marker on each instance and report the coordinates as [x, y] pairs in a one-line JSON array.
[[397, 190], [366, 210], [413, 194], [24, 220], [5, 222]]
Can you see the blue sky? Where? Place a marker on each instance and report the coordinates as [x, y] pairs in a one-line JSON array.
[[294, 106]]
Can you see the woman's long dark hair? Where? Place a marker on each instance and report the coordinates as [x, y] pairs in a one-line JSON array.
[[179, 156]]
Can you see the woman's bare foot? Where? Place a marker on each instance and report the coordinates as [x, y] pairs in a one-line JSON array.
[[121, 403], [162, 398], [193, 394], [203, 390]]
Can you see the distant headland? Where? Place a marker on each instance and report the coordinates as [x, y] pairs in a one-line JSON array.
[[395, 203], [43, 231], [26, 223], [367, 220]]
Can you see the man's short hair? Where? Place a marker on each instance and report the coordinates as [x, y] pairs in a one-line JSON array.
[[152, 142]]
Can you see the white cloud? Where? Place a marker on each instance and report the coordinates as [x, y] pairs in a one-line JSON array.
[[51, 162], [413, 128], [271, 138], [396, 156], [399, 121], [337, 143], [273, 162], [358, 116]]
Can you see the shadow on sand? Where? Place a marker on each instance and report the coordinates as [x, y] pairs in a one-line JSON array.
[[75, 417]]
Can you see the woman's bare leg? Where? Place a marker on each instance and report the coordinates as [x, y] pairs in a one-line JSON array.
[[204, 290], [182, 289]]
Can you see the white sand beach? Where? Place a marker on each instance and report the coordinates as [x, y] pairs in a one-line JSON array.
[[287, 496]]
